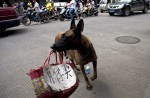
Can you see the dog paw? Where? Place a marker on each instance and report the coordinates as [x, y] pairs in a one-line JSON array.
[[89, 87], [93, 78]]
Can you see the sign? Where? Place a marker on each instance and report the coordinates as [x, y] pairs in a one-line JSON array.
[[59, 77]]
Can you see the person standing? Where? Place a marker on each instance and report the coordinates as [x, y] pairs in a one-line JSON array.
[[18, 7], [5, 4], [21, 8], [37, 10]]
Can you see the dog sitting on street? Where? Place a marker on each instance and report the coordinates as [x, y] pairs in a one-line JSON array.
[[78, 48]]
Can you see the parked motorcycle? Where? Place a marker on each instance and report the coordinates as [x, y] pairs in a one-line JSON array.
[[30, 15]]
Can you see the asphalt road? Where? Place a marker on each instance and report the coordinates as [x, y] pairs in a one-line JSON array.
[[123, 68]]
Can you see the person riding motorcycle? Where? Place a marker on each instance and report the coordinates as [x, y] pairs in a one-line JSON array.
[[49, 6], [29, 4], [77, 7], [90, 5], [67, 9], [37, 10], [72, 5]]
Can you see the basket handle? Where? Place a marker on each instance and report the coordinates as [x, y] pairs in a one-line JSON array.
[[47, 61]]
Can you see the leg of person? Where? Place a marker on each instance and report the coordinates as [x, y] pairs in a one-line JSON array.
[[70, 13], [67, 12], [76, 12], [38, 16]]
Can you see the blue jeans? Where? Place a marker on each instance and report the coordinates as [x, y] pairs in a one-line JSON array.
[[76, 11], [67, 10], [70, 13], [38, 16]]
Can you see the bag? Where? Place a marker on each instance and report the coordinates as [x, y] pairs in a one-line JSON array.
[[61, 77], [57, 80], [40, 87]]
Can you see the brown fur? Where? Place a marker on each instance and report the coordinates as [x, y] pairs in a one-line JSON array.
[[83, 55]]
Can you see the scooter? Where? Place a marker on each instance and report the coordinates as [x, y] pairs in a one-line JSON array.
[[30, 15]]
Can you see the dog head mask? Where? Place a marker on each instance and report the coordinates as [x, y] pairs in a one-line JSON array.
[[71, 39]]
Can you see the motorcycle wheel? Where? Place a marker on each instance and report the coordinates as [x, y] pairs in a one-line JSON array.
[[61, 18], [26, 21], [45, 19], [84, 15], [56, 17], [96, 14]]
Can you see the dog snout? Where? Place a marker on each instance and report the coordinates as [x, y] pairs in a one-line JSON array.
[[53, 46]]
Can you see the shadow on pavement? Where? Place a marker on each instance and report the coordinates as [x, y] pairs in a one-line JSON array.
[[10, 32], [101, 90]]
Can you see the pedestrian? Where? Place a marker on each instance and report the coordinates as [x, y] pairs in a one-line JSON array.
[[21, 8], [37, 10], [5, 4], [18, 7]]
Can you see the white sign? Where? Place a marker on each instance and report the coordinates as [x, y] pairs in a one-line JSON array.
[[59, 77]]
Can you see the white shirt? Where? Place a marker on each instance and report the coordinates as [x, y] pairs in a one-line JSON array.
[[5, 5], [37, 7], [72, 4], [93, 4], [81, 6], [68, 6]]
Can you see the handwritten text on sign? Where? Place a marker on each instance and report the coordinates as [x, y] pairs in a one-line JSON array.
[[60, 76]]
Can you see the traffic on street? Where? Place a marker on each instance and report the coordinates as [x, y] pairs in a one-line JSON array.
[[120, 44]]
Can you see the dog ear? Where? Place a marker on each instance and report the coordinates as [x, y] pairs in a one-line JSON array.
[[80, 27], [72, 25]]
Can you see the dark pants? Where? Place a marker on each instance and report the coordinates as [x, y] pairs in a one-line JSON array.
[[38, 16]]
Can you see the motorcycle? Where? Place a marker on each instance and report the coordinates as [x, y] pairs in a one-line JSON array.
[[85, 13], [49, 13], [95, 10], [30, 15], [62, 15]]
